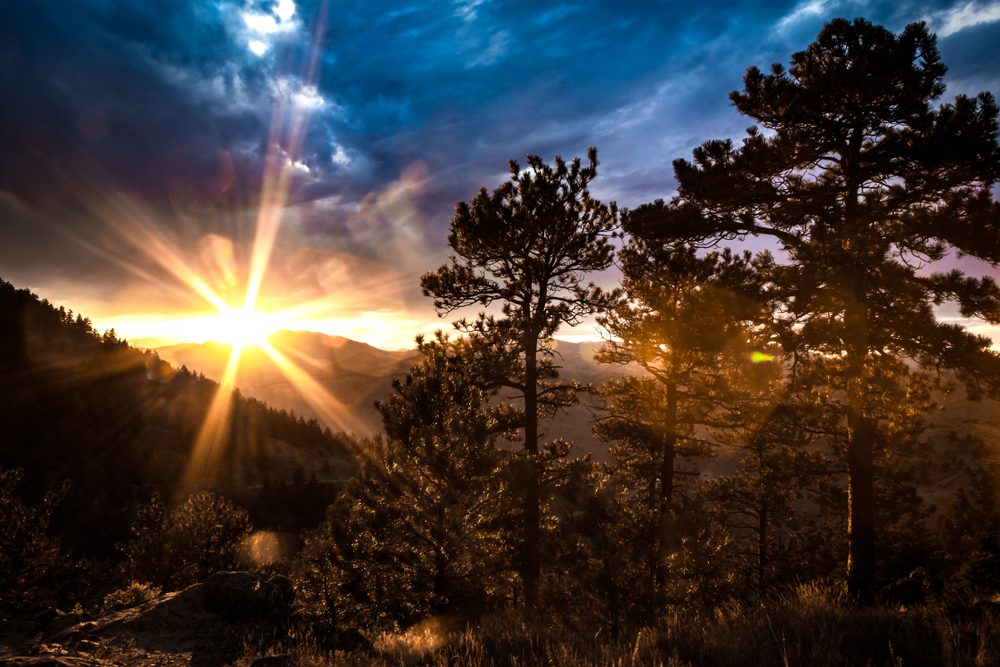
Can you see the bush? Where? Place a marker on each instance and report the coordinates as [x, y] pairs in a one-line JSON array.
[[178, 549], [132, 595], [33, 568]]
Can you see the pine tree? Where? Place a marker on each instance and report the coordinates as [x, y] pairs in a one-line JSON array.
[[528, 246], [450, 481], [863, 184], [684, 318], [773, 432], [425, 527]]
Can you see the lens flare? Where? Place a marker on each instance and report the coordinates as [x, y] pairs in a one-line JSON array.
[[758, 357]]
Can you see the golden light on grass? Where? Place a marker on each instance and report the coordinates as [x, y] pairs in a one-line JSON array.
[[415, 644]]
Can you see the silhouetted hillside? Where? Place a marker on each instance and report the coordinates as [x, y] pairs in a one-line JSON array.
[[121, 423]]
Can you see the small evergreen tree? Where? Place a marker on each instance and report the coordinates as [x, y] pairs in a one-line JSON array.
[[427, 525], [528, 246]]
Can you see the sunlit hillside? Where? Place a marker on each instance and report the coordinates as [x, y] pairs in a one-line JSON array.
[[120, 424]]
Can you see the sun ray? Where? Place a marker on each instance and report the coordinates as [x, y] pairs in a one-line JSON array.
[[209, 445], [138, 229], [326, 406], [129, 220]]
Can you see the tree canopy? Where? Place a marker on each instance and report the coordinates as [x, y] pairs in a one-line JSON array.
[[865, 185], [527, 246]]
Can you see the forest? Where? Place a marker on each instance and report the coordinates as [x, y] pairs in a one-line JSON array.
[[811, 368]]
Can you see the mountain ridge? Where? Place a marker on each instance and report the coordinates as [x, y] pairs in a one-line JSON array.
[[356, 374]]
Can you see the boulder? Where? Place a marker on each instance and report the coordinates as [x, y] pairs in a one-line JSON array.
[[208, 622], [241, 596], [280, 660]]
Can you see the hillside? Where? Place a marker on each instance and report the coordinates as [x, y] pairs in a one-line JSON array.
[[354, 375], [121, 424]]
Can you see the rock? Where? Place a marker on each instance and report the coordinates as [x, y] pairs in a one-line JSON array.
[[17, 631], [180, 616], [281, 660], [60, 623], [243, 596], [44, 655], [88, 645], [352, 641], [208, 621], [48, 661], [45, 616]]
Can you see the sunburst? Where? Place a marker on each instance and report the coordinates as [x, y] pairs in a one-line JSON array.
[[238, 326]]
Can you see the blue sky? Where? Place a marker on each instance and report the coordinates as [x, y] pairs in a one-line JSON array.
[[162, 112]]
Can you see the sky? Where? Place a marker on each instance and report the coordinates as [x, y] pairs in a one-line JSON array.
[[157, 156]]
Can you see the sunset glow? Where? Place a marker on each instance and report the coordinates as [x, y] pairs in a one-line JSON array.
[[240, 327]]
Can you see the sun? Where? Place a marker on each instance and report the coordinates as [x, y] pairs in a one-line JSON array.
[[240, 327]]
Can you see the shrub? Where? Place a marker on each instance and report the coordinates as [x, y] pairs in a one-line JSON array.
[[132, 595], [33, 568], [178, 549]]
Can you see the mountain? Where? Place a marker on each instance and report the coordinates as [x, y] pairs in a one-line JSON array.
[[120, 424], [147, 343], [354, 375]]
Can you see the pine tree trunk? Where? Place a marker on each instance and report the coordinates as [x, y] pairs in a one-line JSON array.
[[860, 427], [532, 542], [666, 498], [762, 554], [860, 461]]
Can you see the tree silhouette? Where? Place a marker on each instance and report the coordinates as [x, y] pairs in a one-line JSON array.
[[425, 528], [863, 184], [528, 246], [684, 318]]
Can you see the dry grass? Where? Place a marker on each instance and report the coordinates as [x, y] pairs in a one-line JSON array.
[[811, 627]]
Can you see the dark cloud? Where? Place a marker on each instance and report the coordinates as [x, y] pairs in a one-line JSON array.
[[392, 112]]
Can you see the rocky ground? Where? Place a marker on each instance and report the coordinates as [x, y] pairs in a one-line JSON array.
[[206, 625]]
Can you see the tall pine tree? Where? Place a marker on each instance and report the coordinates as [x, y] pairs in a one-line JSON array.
[[527, 246], [864, 184]]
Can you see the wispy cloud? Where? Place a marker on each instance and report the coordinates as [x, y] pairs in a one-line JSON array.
[[959, 17]]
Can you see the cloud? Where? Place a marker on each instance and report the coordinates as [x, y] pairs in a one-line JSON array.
[[808, 9], [389, 115], [959, 17]]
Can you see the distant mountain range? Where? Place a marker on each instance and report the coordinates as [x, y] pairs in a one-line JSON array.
[[119, 425], [355, 375]]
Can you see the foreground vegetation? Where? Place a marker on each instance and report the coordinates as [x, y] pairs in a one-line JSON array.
[[811, 626]]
